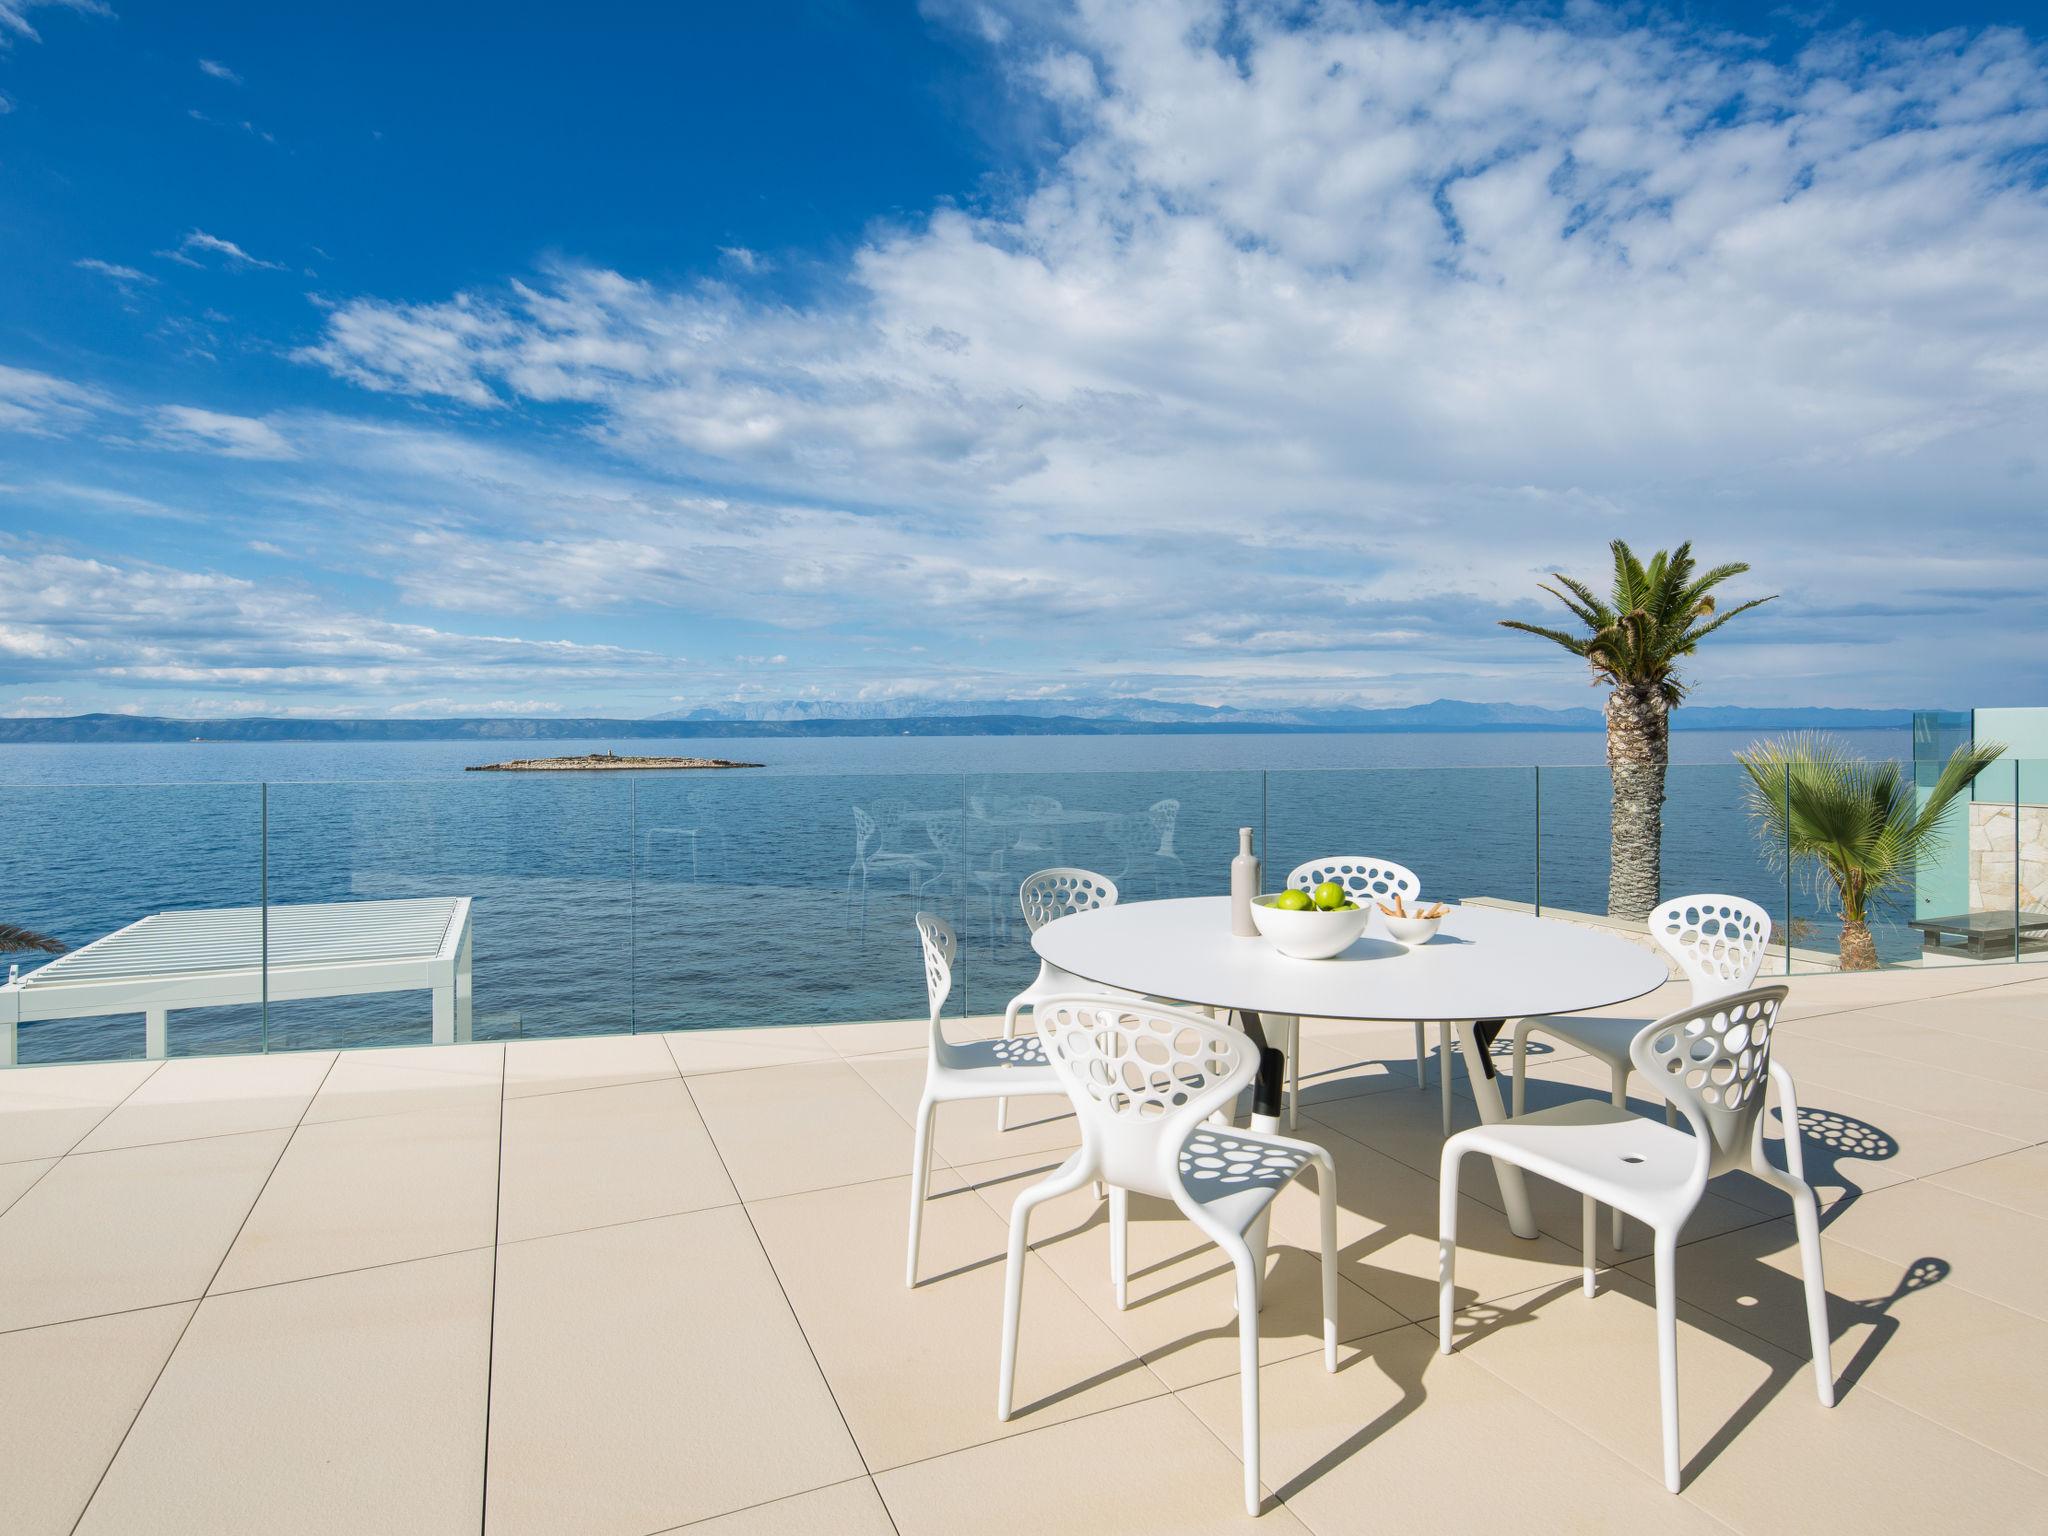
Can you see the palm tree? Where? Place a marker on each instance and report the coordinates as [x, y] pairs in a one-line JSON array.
[[1634, 639], [1852, 823]]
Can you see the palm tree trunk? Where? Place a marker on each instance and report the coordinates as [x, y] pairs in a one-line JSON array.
[[1638, 750], [1858, 949]]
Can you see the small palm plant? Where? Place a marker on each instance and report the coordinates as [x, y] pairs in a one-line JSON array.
[[1656, 615], [1851, 823]]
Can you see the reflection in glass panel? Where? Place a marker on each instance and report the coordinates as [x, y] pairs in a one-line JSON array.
[[542, 860]]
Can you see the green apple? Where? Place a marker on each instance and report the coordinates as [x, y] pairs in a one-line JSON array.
[[1329, 896], [1292, 901]]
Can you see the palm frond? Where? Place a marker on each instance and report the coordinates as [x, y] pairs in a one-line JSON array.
[[1694, 636], [1851, 823], [1576, 644], [14, 940]]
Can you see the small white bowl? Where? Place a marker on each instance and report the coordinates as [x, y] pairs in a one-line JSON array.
[[1310, 935], [1411, 931]]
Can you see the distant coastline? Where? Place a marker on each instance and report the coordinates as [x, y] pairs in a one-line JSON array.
[[1100, 720]]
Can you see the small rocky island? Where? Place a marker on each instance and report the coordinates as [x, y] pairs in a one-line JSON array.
[[601, 762]]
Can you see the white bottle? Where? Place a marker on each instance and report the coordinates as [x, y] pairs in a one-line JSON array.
[[1244, 885]]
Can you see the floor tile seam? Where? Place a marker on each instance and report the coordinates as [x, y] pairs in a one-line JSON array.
[[1828, 1239], [179, 1141], [1015, 1435], [1003, 1216], [1988, 1046], [483, 1500], [73, 1147], [768, 1258], [178, 1343], [97, 1317], [668, 1038], [562, 1093], [1613, 1452], [623, 1221], [350, 1269], [780, 1498], [1401, 1321], [48, 1163], [1804, 1363]]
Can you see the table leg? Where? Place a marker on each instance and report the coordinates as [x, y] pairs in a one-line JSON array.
[[444, 1012], [1267, 1088], [1514, 1193], [156, 1030]]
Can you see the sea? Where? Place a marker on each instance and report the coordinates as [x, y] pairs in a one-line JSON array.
[[607, 902]]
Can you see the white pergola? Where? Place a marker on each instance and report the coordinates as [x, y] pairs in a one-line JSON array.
[[213, 957]]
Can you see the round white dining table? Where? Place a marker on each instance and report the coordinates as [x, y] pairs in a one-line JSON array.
[[1484, 966]]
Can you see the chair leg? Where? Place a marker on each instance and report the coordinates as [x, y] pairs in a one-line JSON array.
[[1667, 1348], [1009, 1033], [1589, 1222], [1421, 1059], [1620, 1098], [1446, 1048], [1447, 1246], [1520, 1069], [1072, 1175], [1119, 1244], [920, 1179], [1248, 1371], [1806, 1217]]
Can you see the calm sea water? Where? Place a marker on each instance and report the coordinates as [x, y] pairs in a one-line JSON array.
[[607, 902]]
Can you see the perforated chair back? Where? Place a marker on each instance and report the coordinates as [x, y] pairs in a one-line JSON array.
[[1141, 1076], [1364, 879], [1050, 893], [1718, 941], [1713, 1060]]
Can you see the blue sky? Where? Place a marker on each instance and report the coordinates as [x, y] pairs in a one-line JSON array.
[[451, 359]]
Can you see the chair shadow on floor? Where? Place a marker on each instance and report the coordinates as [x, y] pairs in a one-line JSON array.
[[1833, 1144]]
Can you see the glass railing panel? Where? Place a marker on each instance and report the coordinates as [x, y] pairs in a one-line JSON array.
[[1715, 843], [1574, 840], [766, 898], [1466, 833], [1154, 835], [83, 865], [543, 861]]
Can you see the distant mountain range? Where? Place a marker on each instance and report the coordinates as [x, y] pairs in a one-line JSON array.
[[988, 717]]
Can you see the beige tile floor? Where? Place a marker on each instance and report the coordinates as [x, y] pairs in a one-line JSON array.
[[638, 1284]]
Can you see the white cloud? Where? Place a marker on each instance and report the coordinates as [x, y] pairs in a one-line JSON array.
[[129, 623], [43, 405], [14, 16], [1350, 330], [112, 271], [198, 245], [219, 71], [233, 437]]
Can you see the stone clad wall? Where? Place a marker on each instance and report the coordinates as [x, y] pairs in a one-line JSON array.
[[1993, 857]]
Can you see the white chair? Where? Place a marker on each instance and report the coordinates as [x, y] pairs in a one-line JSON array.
[[974, 1069], [1045, 895], [1368, 880], [1718, 941], [871, 857], [1143, 1078], [1713, 1061]]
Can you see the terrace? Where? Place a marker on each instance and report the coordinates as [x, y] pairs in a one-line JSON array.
[[642, 1282], [626, 1254]]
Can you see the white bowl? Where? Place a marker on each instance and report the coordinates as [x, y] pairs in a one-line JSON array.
[[1310, 935], [1411, 931]]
